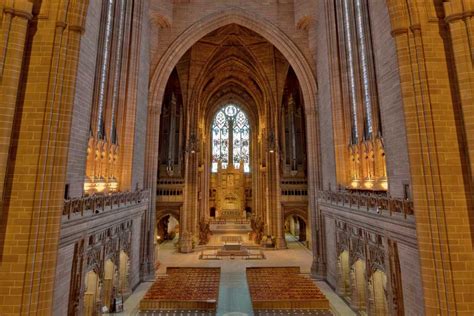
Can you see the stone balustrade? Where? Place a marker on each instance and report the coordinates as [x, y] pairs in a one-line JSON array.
[[223, 221], [367, 202], [99, 203]]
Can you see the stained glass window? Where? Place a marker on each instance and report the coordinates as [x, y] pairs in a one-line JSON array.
[[230, 132]]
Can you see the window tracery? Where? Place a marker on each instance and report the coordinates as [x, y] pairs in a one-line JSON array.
[[230, 138]]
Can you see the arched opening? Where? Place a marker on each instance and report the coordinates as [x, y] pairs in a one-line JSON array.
[[109, 283], [378, 293], [296, 226], [91, 293], [344, 283], [167, 228], [359, 285], [172, 132], [124, 287], [234, 74], [243, 18], [230, 161]]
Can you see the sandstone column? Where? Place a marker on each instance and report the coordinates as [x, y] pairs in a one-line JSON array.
[[318, 268], [13, 31], [460, 19], [441, 196], [36, 175]]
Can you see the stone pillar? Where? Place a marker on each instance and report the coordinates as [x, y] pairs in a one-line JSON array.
[[291, 116], [188, 214], [151, 173], [172, 131], [460, 19], [32, 214], [13, 31], [128, 104], [273, 165], [318, 268], [206, 179], [280, 242], [442, 200], [255, 172]]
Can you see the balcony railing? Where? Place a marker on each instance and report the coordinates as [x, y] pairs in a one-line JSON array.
[[169, 191], [367, 202], [96, 204]]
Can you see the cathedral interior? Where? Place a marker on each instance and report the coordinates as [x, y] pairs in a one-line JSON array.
[[219, 157]]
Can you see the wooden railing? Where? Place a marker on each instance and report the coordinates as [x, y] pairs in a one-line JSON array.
[[367, 202], [99, 203]]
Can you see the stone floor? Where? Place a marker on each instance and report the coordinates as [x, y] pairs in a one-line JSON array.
[[234, 297]]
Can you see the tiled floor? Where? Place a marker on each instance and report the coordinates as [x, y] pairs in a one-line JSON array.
[[234, 297]]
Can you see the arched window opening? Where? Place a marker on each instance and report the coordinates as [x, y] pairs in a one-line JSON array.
[[230, 138]]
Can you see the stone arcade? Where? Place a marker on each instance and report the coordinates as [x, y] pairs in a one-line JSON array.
[[132, 132]]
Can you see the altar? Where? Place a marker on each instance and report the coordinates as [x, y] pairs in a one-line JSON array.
[[230, 192], [232, 246]]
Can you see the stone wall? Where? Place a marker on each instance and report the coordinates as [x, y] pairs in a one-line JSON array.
[[63, 280], [423, 62], [331, 250], [395, 227], [134, 271], [390, 100], [411, 279], [86, 72], [138, 167], [121, 226], [326, 100]]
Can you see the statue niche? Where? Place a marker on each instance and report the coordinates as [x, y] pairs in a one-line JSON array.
[[230, 192]]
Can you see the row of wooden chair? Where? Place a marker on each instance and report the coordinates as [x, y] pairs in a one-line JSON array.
[[283, 288], [184, 284]]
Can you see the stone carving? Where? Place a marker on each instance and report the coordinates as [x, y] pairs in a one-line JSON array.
[[396, 279], [377, 255], [76, 276], [94, 261], [230, 192], [96, 204], [357, 250], [101, 246], [342, 241], [125, 242], [376, 259], [257, 225], [204, 232], [366, 202]]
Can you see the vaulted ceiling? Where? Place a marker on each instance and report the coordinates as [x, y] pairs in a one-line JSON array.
[[232, 64]]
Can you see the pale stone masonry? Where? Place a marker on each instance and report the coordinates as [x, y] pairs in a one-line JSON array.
[[83, 208]]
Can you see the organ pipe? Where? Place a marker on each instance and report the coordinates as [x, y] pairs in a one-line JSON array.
[[104, 68]]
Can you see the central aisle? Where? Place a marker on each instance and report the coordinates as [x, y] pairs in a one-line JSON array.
[[234, 296]]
